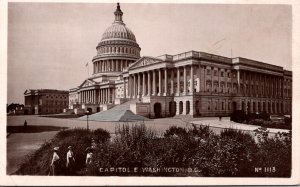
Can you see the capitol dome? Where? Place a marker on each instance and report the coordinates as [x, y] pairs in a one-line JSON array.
[[118, 31], [118, 47]]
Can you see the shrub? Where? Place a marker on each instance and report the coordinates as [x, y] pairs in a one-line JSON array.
[[101, 135], [258, 122], [177, 131], [264, 115], [274, 153], [238, 116]]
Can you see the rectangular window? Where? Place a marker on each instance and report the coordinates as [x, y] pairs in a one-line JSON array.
[[208, 71]]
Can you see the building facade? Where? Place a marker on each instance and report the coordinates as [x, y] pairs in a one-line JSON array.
[[190, 83], [45, 101]]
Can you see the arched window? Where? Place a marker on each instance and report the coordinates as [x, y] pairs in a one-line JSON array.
[[180, 107], [187, 107]]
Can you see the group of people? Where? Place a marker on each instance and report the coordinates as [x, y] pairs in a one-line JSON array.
[[70, 160], [56, 161]]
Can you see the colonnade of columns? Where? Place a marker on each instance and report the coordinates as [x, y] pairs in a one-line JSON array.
[[162, 82], [104, 95], [263, 85], [271, 106], [157, 82], [110, 65]]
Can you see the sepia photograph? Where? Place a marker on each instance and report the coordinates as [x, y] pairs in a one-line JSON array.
[[176, 90]]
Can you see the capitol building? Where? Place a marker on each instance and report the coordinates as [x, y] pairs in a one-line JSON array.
[[190, 83]]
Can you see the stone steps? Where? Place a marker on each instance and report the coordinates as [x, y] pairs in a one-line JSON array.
[[118, 113]]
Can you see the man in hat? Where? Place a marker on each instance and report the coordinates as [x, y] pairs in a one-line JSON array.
[[55, 162], [70, 161]]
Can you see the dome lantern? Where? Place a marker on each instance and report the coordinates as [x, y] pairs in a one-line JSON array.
[[118, 14]]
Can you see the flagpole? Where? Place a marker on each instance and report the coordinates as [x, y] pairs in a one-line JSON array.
[[87, 65]]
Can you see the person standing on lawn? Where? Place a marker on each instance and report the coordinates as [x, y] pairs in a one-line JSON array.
[[25, 123], [70, 161], [89, 156], [54, 166]]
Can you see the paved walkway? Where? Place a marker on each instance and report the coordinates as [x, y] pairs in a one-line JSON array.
[[226, 123]]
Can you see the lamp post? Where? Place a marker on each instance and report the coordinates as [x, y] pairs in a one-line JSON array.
[[87, 120]]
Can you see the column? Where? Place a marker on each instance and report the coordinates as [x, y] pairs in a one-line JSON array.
[[103, 99], [139, 85], [149, 83], [99, 96], [129, 86], [121, 65], [184, 80], [134, 86], [108, 95], [192, 79], [144, 84], [172, 82], [94, 97], [238, 81], [166, 82], [124, 85], [219, 83], [91, 96], [154, 84], [84, 95], [204, 86], [178, 81], [199, 76], [106, 98], [159, 82], [79, 97]]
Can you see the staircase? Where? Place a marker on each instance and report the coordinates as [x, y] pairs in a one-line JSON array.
[[120, 112]]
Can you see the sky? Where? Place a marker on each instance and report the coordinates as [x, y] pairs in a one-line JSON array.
[[49, 44]]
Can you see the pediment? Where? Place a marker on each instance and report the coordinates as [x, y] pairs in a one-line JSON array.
[[87, 83], [144, 61], [28, 91]]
